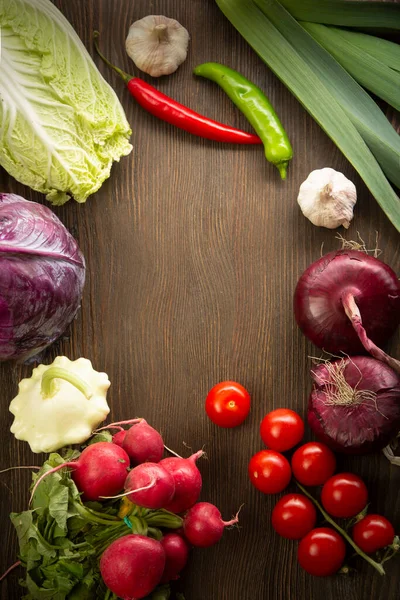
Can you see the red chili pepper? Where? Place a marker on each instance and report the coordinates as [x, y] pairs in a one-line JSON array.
[[167, 109]]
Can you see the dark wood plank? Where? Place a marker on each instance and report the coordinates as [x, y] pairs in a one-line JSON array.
[[193, 252]]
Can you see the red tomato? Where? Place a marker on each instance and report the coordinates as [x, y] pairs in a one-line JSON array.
[[228, 404], [321, 552], [372, 533], [294, 515], [269, 471], [344, 495], [282, 429], [313, 463]]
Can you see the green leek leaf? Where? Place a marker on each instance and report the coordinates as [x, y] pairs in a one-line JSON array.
[[377, 15], [364, 113], [369, 71], [279, 54], [384, 50]]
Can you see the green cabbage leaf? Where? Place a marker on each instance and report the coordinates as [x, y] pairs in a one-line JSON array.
[[61, 124]]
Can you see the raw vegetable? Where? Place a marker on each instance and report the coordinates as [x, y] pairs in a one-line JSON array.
[[282, 429], [350, 13], [344, 495], [327, 198], [343, 533], [203, 525], [257, 109], [150, 485], [132, 566], [188, 481], [372, 533], [60, 404], [99, 471], [370, 72], [293, 516], [143, 443], [354, 406], [157, 45], [42, 273], [366, 116], [321, 552], [118, 438], [61, 539], [313, 463], [349, 302], [282, 44], [61, 124], [165, 108], [176, 556], [269, 471], [228, 404], [384, 50]]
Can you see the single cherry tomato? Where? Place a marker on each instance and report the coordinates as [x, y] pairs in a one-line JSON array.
[[321, 552], [372, 533], [313, 463], [228, 404], [344, 495], [269, 471], [294, 515], [282, 429]]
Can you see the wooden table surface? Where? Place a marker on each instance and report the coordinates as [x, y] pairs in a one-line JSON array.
[[193, 252]]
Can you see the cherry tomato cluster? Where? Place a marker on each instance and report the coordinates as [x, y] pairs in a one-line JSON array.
[[321, 550]]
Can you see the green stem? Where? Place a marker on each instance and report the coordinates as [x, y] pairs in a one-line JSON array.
[[342, 532], [86, 513], [125, 76], [49, 389]]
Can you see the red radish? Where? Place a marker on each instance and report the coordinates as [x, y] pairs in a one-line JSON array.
[[176, 556], [118, 438], [100, 471], [143, 443], [150, 485], [354, 406], [132, 566], [349, 302], [187, 479], [203, 525]]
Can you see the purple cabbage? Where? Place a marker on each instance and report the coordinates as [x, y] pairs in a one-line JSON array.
[[42, 273]]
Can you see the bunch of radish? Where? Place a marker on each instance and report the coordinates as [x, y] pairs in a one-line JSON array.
[[132, 467]]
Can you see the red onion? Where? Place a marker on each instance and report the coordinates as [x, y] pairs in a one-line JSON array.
[[354, 406], [348, 302]]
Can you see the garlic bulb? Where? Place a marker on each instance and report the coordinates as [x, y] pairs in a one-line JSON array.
[[157, 45], [327, 198]]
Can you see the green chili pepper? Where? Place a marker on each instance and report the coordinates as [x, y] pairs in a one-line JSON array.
[[256, 107]]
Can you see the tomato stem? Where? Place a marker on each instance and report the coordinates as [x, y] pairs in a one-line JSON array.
[[342, 532]]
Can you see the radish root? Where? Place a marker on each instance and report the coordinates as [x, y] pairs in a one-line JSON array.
[[118, 423], [142, 489], [35, 467], [14, 566], [54, 470]]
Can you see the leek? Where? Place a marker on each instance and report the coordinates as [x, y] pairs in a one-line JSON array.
[[369, 71], [375, 15], [279, 54], [385, 51], [363, 112]]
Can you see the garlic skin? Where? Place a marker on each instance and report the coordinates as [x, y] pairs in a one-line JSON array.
[[67, 416], [157, 45], [327, 198]]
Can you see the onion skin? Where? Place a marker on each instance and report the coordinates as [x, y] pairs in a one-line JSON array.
[[318, 305], [362, 427]]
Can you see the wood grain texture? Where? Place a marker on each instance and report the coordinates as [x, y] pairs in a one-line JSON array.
[[193, 252]]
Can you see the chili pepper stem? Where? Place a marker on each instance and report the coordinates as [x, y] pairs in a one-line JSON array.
[[342, 532], [125, 76]]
